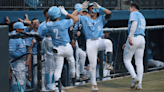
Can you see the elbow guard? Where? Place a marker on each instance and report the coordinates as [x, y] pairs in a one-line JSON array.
[[108, 16]]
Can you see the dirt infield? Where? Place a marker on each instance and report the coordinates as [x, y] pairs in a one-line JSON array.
[[152, 82]]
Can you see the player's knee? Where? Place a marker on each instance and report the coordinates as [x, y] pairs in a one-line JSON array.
[[108, 42]]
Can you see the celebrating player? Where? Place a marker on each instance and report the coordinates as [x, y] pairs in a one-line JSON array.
[[16, 49], [49, 59], [58, 30], [93, 31], [135, 45]]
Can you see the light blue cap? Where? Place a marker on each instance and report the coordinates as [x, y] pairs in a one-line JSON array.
[[19, 25], [45, 31], [78, 5]]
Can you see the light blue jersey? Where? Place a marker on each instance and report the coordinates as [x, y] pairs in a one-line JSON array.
[[28, 43], [12, 32], [137, 16], [59, 31], [93, 28], [16, 48], [42, 27]]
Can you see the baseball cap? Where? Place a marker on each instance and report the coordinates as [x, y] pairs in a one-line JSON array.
[[19, 25], [78, 5]]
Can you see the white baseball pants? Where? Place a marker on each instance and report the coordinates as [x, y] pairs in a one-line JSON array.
[[35, 71], [80, 60], [155, 63], [93, 46], [136, 49], [63, 51]]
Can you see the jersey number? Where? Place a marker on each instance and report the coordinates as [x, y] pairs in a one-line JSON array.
[[56, 31]]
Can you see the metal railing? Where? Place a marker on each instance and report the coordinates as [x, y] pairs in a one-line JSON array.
[[69, 4]]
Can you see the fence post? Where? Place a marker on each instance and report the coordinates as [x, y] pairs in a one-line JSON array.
[[101, 65], [24, 4], [39, 65], [146, 53]]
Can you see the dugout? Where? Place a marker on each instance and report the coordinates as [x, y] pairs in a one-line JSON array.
[[119, 19]]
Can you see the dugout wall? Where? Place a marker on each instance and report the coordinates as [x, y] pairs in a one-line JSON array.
[[4, 62]]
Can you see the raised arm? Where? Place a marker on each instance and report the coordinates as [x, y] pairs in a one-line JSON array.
[[108, 12], [64, 12], [84, 5]]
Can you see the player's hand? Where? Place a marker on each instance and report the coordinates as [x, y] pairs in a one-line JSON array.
[[63, 11], [130, 41], [85, 4], [32, 43], [96, 5], [7, 20], [78, 33], [10, 76], [28, 62], [73, 43], [19, 19], [123, 46], [26, 17]]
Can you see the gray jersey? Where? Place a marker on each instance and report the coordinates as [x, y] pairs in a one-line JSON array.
[[47, 46]]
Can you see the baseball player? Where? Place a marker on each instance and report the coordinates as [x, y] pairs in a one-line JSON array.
[[58, 30], [151, 61], [93, 31], [135, 45], [16, 49], [49, 59], [32, 47], [79, 52]]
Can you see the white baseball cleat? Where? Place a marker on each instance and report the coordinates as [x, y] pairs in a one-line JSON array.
[[134, 82], [49, 87], [53, 86], [138, 86], [108, 67], [94, 88]]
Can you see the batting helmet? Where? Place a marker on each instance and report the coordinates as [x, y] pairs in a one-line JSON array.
[[54, 13]]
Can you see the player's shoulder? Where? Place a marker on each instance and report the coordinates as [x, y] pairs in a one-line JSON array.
[[49, 23], [134, 13], [42, 24]]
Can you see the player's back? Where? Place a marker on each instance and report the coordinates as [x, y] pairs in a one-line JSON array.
[[137, 16], [59, 31]]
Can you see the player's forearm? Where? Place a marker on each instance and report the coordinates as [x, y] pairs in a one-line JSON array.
[[107, 11], [75, 18], [75, 13], [133, 28], [29, 55], [27, 22]]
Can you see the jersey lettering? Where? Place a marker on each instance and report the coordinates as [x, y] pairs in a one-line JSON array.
[[56, 31]]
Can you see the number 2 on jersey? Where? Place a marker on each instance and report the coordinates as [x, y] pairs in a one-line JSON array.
[[56, 31]]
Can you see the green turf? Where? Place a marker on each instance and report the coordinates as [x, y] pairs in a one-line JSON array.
[[152, 82]]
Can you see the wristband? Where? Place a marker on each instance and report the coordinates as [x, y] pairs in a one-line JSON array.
[[102, 8], [24, 21], [79, 9]]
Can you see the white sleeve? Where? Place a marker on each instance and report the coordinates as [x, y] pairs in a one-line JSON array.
[[133, 28]]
